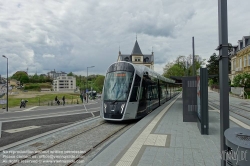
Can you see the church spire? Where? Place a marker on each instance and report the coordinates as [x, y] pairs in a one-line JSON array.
[[136, 49]]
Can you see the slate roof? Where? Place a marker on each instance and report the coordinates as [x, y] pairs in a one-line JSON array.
[[147, 58], [136, 49]]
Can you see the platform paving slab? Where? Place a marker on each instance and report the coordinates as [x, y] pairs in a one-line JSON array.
[[186, 145]]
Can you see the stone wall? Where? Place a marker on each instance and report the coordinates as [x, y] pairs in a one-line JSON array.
[[237, 90]]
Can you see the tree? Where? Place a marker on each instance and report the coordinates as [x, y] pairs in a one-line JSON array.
[[213, 68], [24, 79], [18, 75], [174, 70], [182, 66], [98, 83], [70, 74]]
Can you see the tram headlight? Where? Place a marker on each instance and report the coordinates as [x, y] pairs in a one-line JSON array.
[[105, 106], [122, 107]]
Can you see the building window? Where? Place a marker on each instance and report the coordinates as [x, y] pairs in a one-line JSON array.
[[126, 59], [137, 59], [249, 60], [245, 61], [240, 63]]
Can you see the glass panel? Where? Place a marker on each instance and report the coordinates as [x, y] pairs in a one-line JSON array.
[[135, 91], [117, 85]]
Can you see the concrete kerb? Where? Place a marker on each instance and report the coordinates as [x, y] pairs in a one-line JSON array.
[[21, 109], [46, 134]]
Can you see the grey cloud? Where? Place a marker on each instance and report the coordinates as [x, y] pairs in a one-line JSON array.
[[81, 33]]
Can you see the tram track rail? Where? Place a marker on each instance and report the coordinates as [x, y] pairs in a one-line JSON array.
[[76, 160], [79, 157], [230, 109], [55, 144]]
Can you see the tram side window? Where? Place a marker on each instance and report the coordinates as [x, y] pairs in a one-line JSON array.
[[144, 90], [149, 92], [155, 91], [163, 92], [136, 89]]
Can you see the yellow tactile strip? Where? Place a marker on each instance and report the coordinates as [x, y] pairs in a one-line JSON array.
[[145, 138]]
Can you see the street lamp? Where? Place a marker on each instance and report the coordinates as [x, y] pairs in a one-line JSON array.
[[87, 80], [7, 85]]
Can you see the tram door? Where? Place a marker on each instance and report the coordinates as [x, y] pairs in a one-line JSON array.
[[134, 97], [149, 98], [143, 98]]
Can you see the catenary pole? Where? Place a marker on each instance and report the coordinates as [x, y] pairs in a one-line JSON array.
[[194, 65], [223, 74]]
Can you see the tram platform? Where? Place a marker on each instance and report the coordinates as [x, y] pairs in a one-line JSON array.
[[162, 138]]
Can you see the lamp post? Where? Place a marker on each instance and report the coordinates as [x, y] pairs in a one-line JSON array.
[[87, 80], [7, 105]]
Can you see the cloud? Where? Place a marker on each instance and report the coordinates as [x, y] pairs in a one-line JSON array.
[[71, 35], [49, 56]]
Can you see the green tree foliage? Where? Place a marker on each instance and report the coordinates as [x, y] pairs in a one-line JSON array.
[[182, 66], [210, 82], [213, 68], [94, 81], [24, 79], [70, 74], [18, 75], [174, 70], [98, 83], [242, 80], [81, 82], [39, 79]]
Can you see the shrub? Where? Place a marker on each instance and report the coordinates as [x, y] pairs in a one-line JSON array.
[[242, 80], [210, 82], [36, 86]]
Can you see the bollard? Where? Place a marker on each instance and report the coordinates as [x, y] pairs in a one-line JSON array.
[[0, 129]]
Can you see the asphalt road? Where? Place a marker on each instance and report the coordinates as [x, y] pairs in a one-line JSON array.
[[21, 124]]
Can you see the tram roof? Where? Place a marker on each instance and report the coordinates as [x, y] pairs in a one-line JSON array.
[[143, 69]]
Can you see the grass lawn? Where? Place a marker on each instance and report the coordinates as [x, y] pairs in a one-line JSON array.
[[39, 98]]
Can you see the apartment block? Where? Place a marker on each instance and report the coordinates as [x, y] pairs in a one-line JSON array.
[[64, 83]]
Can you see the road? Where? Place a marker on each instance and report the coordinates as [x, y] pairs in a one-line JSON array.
[[25, 123]]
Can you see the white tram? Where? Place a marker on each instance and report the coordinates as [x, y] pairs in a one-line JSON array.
[[133, 91]]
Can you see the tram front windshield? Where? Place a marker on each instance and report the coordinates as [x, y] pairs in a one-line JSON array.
[[117, 85]]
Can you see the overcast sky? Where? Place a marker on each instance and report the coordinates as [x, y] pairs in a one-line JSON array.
[[69, 35]]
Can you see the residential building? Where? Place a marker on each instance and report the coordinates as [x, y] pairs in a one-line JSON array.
[[136, 57], [54, 74], [240, 57], [64, 83]]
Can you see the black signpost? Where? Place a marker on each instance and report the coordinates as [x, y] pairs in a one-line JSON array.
[[202, 101]]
